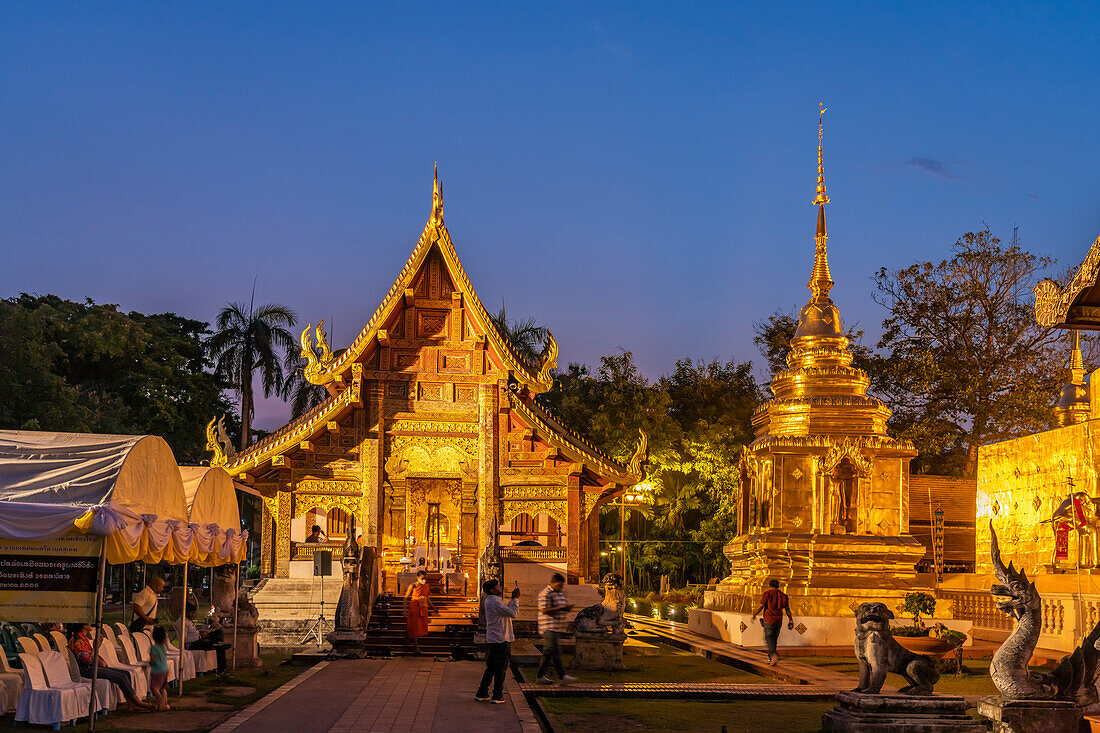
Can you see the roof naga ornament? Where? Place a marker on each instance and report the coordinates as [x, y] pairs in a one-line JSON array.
[[640, 456], [316, 369], [548, 360], [218, 442], [1073, 680]]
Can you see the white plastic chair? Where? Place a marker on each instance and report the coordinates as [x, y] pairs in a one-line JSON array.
[[11, 681], [30, 646], [60, 643], [43, 642], [107, 694], [121, 629], [41, 704], [139, 680], [109, 635], [58, 677], [143, 643]]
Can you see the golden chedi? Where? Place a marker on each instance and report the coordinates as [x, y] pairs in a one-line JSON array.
[[823, 503]]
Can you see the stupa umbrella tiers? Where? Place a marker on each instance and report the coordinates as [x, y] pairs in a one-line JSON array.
[[76, 488]]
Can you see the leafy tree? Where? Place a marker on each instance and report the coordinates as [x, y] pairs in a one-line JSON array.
[[525, 336], [84, 367], [966, 362], [248, 339]]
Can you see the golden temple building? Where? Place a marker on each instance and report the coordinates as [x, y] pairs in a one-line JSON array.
[[823, 504], [432, 437]]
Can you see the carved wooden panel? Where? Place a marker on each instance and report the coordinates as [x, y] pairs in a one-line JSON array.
[[405, 360], [431, 323]]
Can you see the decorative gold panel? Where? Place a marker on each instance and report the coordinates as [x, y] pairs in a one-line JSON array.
[[430, 323], [555, 508], [327, 487], [304, 502]]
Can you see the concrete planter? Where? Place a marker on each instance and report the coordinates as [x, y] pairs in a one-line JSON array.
[[928, 645]]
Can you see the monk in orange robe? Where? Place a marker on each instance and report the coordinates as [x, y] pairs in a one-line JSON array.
[[417, 602]]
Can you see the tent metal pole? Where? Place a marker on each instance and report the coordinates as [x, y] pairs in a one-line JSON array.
[[236, 615], [98, 631], [183, 626]]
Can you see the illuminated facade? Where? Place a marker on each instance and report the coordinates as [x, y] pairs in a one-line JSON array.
[[823, 503], [431, 429]]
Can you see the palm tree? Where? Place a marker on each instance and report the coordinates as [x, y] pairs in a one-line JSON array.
[[248, 339], [524, 336]]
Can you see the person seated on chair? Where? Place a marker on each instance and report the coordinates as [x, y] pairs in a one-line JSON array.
[[80, 644], [144, 605], [210, 638], [314, 534]]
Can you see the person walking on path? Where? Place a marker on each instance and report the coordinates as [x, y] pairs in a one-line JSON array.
[[553, 607], [773, 603], [499, 636], [417, 601], [144, 605]]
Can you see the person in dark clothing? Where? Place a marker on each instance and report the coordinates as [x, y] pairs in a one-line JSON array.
[[81, 645], [773, 603], [211, 638]]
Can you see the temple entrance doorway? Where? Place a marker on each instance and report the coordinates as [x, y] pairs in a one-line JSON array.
[[434, 516]]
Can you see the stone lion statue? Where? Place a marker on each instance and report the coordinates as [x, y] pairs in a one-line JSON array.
[[879, 653], [606, 616]]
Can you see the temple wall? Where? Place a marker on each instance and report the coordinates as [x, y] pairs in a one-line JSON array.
[[1019, 484]]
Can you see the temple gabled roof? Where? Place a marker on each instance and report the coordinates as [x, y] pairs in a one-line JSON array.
[[529, 379], [1078, 304], [435, 234]]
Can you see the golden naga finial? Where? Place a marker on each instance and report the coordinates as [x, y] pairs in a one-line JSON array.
[[437, 197], [217, 442], [640, 456], [315, 370], [547, 360]]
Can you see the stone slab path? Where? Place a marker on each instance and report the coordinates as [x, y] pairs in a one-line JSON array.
[[681, 691], [789, 670], [405, 694]]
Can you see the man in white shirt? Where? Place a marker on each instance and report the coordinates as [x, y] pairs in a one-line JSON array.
[[499, 636], [144, 605], [211, 638]]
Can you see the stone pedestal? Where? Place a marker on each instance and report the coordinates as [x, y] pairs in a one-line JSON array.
[[346, 641], [859, 713], [599, 651], [247, 651], [1030, 716]]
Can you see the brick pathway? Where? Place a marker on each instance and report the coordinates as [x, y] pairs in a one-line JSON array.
[[405, 694]]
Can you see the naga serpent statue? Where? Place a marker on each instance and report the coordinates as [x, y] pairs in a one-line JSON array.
[[1075, 677]]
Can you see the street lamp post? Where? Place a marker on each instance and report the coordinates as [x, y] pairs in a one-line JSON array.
[[624, 500]]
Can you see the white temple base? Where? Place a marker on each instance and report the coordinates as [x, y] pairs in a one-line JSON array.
[[740, 629]]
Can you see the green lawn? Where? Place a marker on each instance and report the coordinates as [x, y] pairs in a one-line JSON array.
[[587, 715], [672, 665]]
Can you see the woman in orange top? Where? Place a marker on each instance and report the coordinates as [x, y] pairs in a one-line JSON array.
[[417, 603]]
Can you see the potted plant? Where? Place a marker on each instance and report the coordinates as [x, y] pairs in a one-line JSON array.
[[915, 637]]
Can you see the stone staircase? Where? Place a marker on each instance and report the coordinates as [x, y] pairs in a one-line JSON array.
[[451, 629]]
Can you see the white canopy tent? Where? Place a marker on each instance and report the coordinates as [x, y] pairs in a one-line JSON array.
[[126, 488]]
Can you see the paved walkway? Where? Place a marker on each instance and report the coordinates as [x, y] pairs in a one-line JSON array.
[[405, 694]]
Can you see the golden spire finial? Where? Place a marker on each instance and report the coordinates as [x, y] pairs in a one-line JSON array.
[[820, 198], [821, 281], [437, 196], [1076, 361]]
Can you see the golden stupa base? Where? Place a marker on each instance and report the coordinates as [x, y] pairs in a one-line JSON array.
[[824, 574]]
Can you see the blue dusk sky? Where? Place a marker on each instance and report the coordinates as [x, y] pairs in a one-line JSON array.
[[634, 175]]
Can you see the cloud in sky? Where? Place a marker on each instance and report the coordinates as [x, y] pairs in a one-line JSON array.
[[933, 166]]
